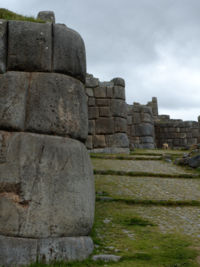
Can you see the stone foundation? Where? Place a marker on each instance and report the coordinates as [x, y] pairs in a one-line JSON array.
[[23, 251]]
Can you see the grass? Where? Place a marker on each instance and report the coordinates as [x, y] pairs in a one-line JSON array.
[[9, 15], [146, 174], [122, 157], [151, 202]]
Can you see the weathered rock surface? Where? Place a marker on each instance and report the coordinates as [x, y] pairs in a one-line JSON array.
[[46, 186], [44, 103], [3, 45], [69, 52], [22, 251], [57, 105], [13, 94], [47, 16], [117, 140], [29, 46]]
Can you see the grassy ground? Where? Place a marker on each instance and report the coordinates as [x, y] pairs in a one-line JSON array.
[[148, 221], [9, 15]]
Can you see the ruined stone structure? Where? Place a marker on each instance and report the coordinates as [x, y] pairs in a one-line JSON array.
[[141, 130], [176, 133], [107, 116], [114, 125], [148, 129], [46, 179]]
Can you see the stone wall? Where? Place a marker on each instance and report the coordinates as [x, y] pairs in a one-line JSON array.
[[154, 105], [107, 116], [140, 126], [46, 178], [177, 133]]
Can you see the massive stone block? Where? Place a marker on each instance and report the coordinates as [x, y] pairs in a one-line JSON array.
[[119, 92], [3, 45], [69, 52], [23, 251], [104, 126], [120, 125], [119, 140], [13, 92], [118, 108], [29, 46], [46, 186], [57, 105]]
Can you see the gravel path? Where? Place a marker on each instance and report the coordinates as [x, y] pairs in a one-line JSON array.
[[151, 166], [149, 188], [183, 220]]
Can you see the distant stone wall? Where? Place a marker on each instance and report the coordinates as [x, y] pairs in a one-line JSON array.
[[140, 126], [46, 178], [154, 105], [107, 116], [177, 133]]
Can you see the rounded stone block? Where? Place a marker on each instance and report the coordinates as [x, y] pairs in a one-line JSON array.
[[118, 81], [69, 52], [29, 46], [47, 16], [56, 104], [24, 251], [46, 186]]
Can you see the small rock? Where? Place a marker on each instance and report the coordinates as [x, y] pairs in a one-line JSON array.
[[194, 162], [48, 16], [106, 221], [106, 258]]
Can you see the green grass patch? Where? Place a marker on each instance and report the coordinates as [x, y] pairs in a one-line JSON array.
[[9, 15], [145, 174], [146, 202], [136, 221], [123, 157]]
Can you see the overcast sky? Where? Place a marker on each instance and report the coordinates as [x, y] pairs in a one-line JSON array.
[[153, 44]]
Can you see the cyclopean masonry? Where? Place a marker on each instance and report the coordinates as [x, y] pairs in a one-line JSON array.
[[107, 114], [46, 178]]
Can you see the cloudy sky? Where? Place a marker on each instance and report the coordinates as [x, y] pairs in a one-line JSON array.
[[153, 44]]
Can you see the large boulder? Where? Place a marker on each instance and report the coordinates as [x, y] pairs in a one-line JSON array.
[[46, 186]]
